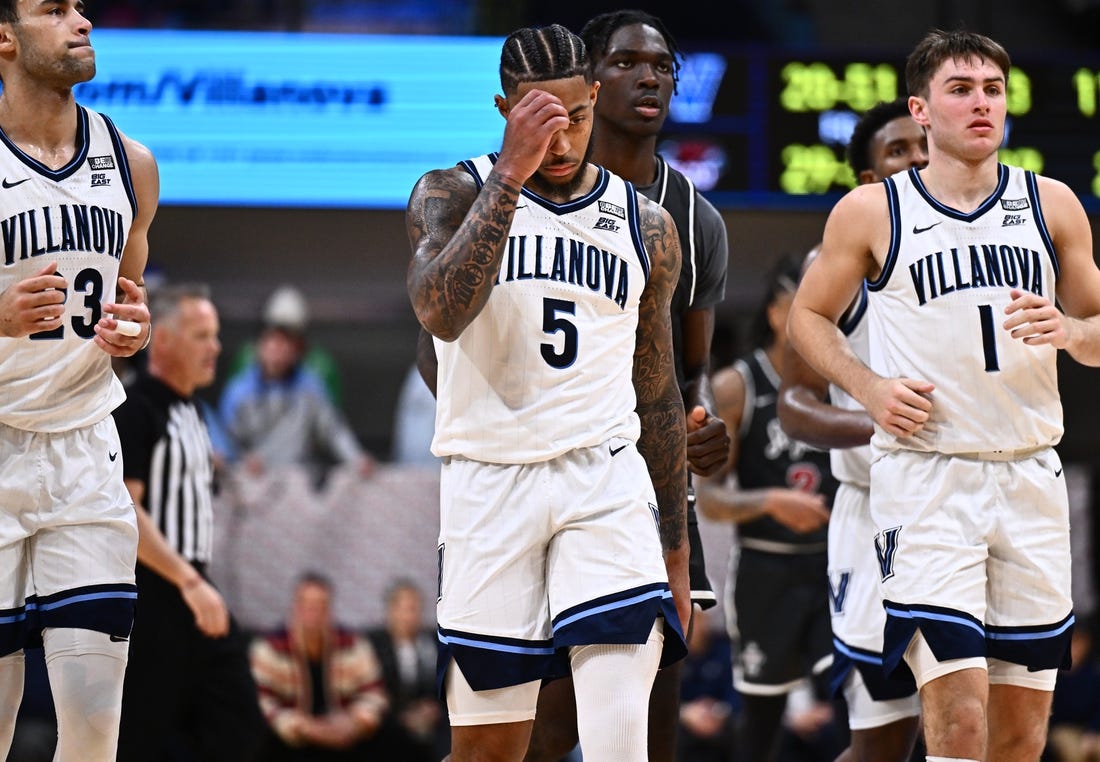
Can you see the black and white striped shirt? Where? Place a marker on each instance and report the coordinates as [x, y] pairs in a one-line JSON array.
[[165, 444]]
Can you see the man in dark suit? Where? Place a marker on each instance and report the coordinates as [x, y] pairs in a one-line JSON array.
[[406, 650]]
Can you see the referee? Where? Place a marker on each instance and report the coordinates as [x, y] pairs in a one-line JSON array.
[[188, 685]]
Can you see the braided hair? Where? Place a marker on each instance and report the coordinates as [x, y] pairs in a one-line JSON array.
[[538, 54]]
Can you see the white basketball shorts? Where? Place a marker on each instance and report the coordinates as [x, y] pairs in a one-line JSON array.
[[68, 534], [974, 551], [858, 619], [538, 557]]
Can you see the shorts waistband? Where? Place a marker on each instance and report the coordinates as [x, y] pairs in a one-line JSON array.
[[1001, 455], [782, 548]]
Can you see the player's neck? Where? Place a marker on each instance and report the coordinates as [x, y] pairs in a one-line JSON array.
[[630, 157], [958, 183], [42, 124]]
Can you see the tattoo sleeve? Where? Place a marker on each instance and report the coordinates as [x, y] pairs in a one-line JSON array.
[[660, 406], [458, 235]]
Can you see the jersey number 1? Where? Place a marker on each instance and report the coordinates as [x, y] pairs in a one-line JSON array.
[[989, 338]]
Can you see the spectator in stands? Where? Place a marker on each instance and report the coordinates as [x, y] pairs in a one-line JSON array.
[[287, 306], [407, 652], [320, 685], [279, 412]]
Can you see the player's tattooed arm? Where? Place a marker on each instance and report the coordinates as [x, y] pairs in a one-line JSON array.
[[458, 235], [660, 406], [663, 441]]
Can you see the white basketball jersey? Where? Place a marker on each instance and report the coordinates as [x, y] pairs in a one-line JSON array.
[[78, 216], [937, 313], [547, 366], [852, 465]]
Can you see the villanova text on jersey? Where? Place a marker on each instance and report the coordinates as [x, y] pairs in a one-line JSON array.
[[937, 312], [571, 261], [979, 266], [48, 230]]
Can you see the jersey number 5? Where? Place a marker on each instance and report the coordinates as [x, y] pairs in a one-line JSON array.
[[553, 322], [90, 283]]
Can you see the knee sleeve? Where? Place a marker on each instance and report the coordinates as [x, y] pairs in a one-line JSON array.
[[612, 685], [465, 706], [86, 670], [925, 667], [11, 695], [1007, 673]]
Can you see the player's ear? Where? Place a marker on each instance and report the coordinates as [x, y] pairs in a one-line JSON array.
[[502, 105], [867, 176], [918, 109], [595, 90], [7, 39]]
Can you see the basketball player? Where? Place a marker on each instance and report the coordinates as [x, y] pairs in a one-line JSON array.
[[76, 204], [777, 491], [189, 683], [546, 282], [882, 714], [635, 59], [970, 264]]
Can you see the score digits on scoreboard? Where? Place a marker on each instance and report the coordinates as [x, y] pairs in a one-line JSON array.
[[819, 88]]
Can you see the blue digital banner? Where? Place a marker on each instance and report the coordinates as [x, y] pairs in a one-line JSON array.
[[308, 120]]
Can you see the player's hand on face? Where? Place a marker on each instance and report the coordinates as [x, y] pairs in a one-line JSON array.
[[33, 304], [901, 405], [708, 443], [532, 123], [109, 333], [799, 511], [1035, 320]]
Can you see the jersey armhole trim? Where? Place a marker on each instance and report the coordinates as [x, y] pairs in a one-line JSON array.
[[895, 236], [124, 163], [1040, 221]]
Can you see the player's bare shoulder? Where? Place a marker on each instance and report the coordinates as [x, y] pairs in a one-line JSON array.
[[661, 241], [138, 155], [1062, 210], [870, 198], [859, 223], [439, 201], [145, 175]]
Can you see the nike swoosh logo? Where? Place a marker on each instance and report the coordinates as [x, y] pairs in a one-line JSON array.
[[112, 456], [616, 450], [918, 231], [7, 184], [1058, 472], [117, 639]]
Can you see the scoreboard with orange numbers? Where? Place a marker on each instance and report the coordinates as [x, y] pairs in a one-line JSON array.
[[756, 127]]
